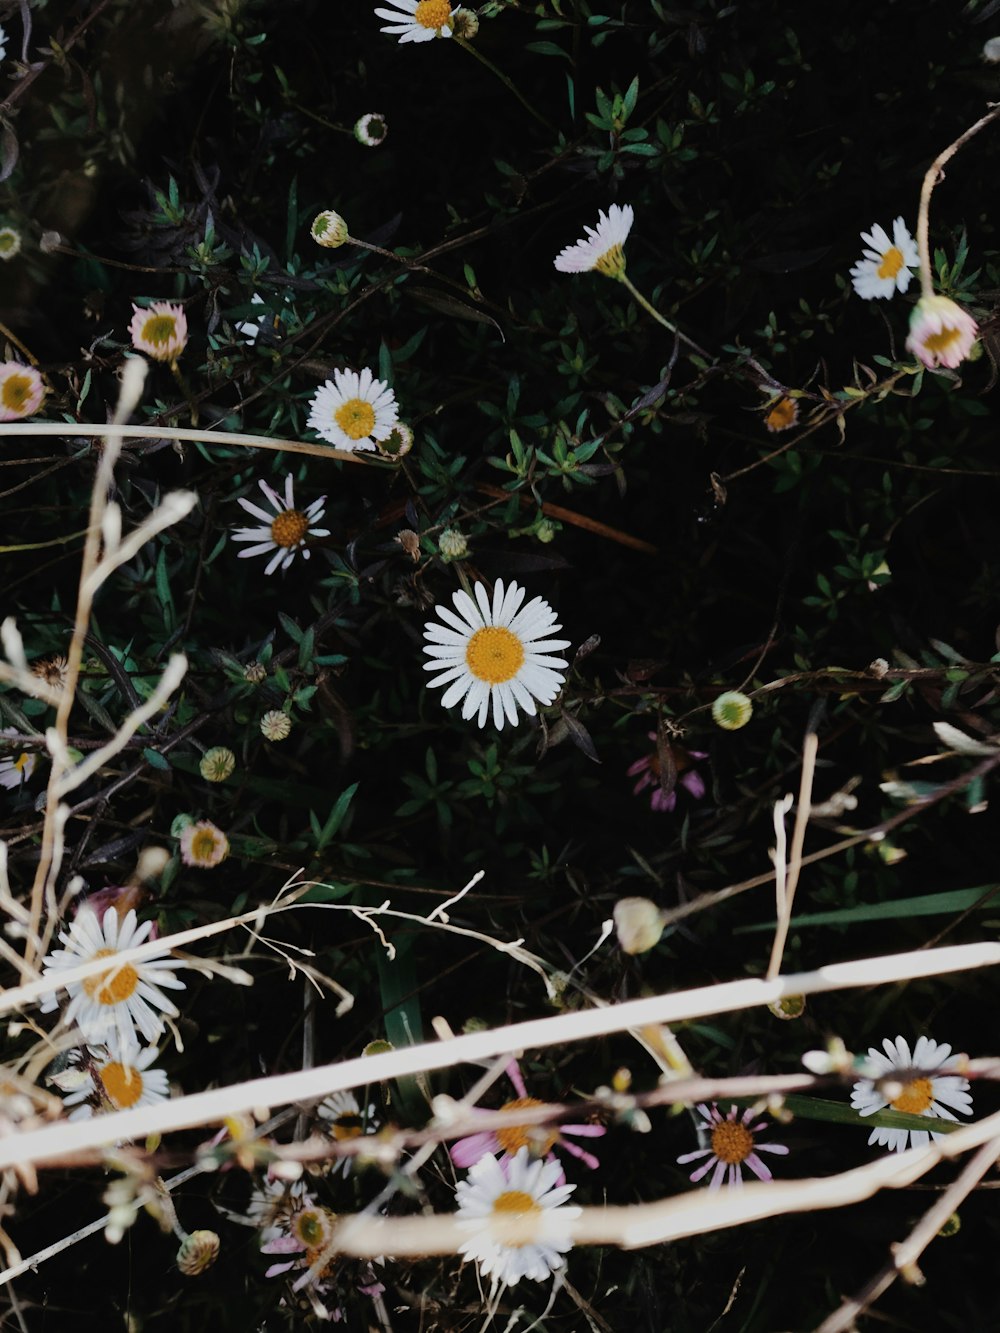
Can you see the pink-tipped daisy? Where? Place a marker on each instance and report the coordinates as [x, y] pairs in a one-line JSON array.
[[888, 264], [734, 1144], [21, 391], [647, 770], [419, 21], [925, 1087], [203, 845], [941, 332], [286, 530], [160, 330]]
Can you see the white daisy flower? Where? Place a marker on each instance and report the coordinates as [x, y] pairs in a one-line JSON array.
[[16, 769], [285, 534], [124, 997], [495, 653], [521, 1228], [116, 1077], [344, 1119], [420, 21], [923, 1091], [353, 410], [3, 43], [601, 248], [886, 267]]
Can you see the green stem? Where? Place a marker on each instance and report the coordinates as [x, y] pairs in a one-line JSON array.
[[467, 46], [626, 281]]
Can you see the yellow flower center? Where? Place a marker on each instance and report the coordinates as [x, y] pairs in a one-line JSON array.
[[289, 528], [204, 846], [356, 418], [347, 1126], [21, 763], [940, 342], [892, 262], [312, 1228], [534, 1137], [514, 1214], [16, 392], [8, 239], [732, 1142], [612, 262], [916, 1097], [782, 415], [433, 13], [114, 985], [122, 1083], [159, 329], [494, 655]]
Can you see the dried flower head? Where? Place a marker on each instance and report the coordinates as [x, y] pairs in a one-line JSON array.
[[198, 1252], [52, 670], [160, 330]]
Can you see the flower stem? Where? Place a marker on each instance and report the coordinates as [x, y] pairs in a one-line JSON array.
[[651, 310], [508, 83], [931, 179]]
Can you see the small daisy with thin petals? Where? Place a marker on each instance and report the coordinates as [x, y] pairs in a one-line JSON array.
[[354, 410], [495, 653], [538, 1140], [16, 769], [127, 995], [601, 249], [160, 330], [941, 332], [420, 21], [733, 1144], [926, 1088], [517, 1211], [116, 1077], [343, 1119], [888, 264], [287, 528], [21, 391], [203, 845]]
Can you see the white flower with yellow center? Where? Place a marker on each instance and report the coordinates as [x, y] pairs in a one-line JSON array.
[[124, 996], [21, 391], [10, 242], [420, 21], [286, 530], [917, 1084], [495, 653], [116, 1077], [515, 1211], [601, 248], [888, 264], [354, 410], [203, 845], [344, 1120], [16, 769]]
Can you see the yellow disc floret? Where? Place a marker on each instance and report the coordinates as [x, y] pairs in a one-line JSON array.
[[732, 1142], [892, 262], [432, 13], [536, 1138], [915, 1097], [122, 1083], [114, 985], [356, 418], [15, 392], [494, 655], [160, 329], [289, 528]]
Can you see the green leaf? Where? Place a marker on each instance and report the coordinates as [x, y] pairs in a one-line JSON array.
[[156, 760], [926, 904], [815, 1108], [334, 819]]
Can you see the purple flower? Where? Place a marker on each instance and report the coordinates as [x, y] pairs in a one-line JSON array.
[[647, 770], [734, 1143]]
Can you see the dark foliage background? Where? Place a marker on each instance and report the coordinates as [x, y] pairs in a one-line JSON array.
[[181, 152]]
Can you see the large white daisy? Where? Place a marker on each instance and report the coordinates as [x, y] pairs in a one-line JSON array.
[[888, 264], [353, 410], [924, 1091], [420, 21], [515, 1211], [124, 997], [601, 248], [286, 530], [495, 653], [116, 1077]]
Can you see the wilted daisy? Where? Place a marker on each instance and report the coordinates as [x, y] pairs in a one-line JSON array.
[[16, 769], [888, 264], [53, 670], [10, 238], [521, 1228], [495, 654], [116, 1077], [922, 1091], [371, 130], [354, 410], [420, 21], [734, 1144], [601, 248], [941, 332], [21, 391], [121, 998], [160, 330], [647, 770], [537, 1140], [203, 845], [344, 1120], [286, 530]]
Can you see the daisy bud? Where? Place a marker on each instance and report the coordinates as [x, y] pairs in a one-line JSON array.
[[275, 725], [329, 229], [790, 1006], [991, 51], [466, 23], [731, 710], [941, 332], [371, 130], [10, 242], [217, 764], [954, 1223], [452, 545], [255, 672], [397, 443], [198, 1252], [638, 924]]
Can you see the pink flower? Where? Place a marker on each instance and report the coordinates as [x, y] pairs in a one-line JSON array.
[[941, 332], [539, 1140], [160, 330], [647, 769], [21, 391], [733, 1144]]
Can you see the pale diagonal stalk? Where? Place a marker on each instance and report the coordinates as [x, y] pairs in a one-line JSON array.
[[931, 179], [507, 82], [650, 309]]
